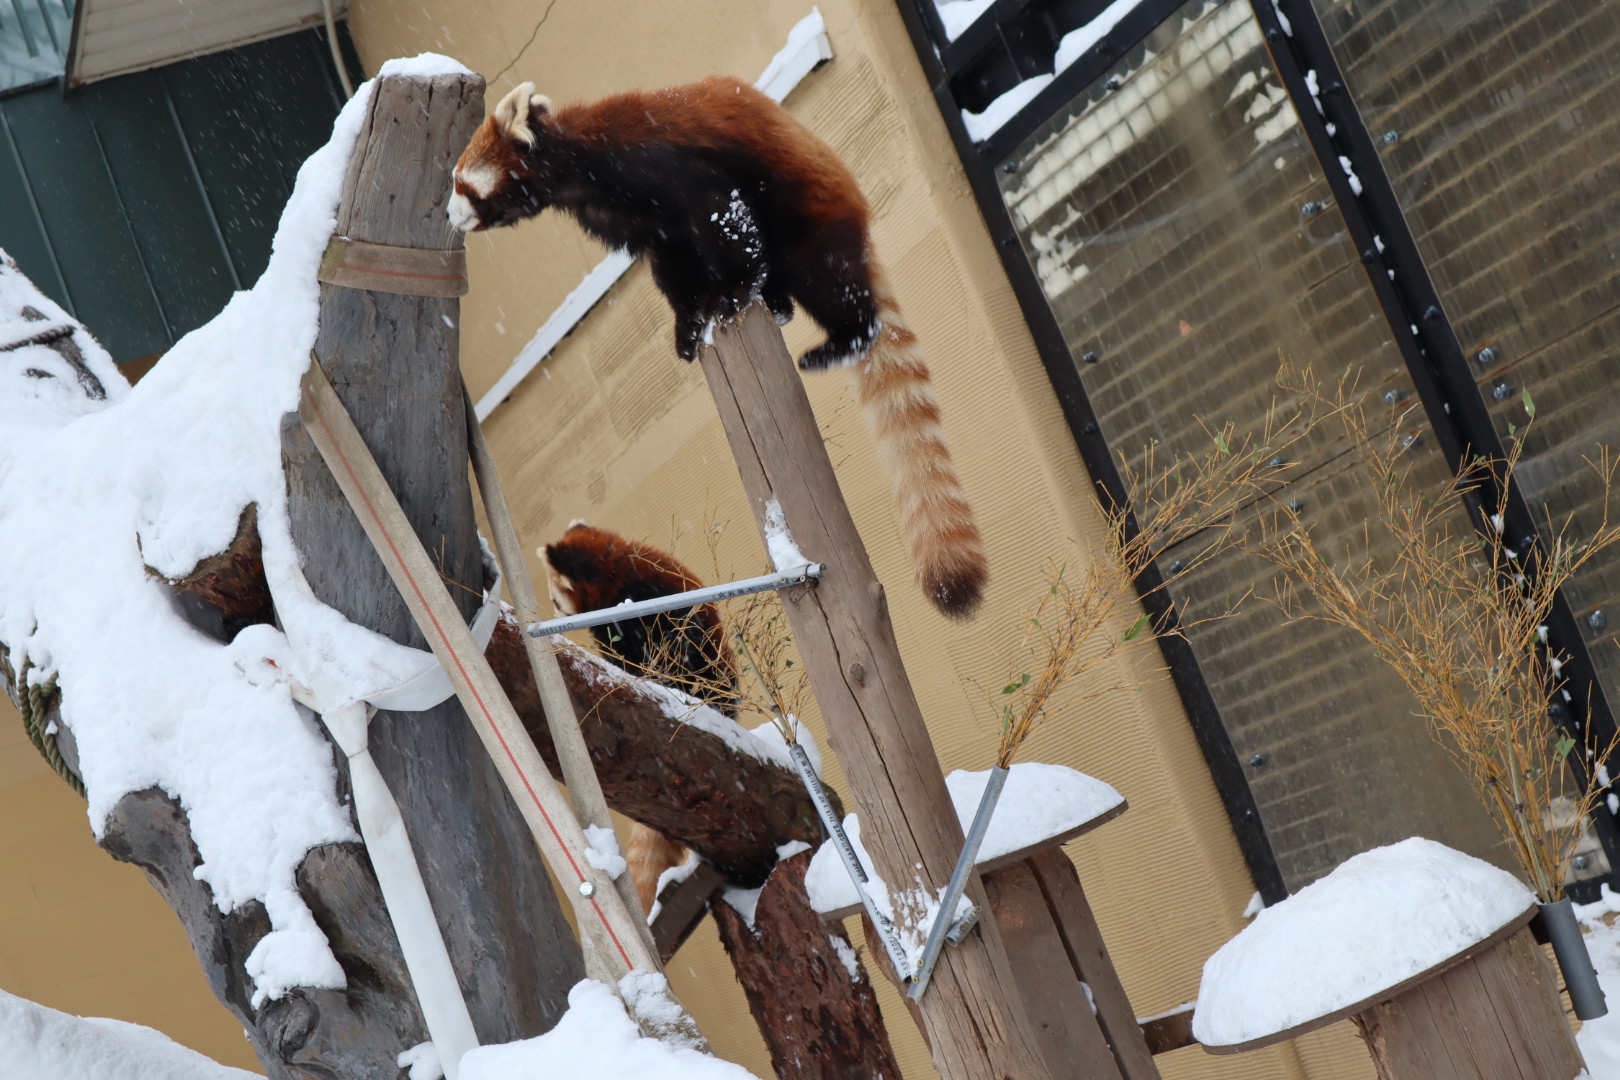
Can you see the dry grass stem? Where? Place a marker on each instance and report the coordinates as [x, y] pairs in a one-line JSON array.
[[1461, 618], [1070, 631]]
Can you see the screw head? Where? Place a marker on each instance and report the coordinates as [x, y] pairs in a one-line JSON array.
[[1311, 209], [1112, 83], [1485, 356], [1580, 862], [1278, 462], [1090, 357], [1391, 137], [1296, 505], [1089, 429], [1411, 440], [1009, 167], [1501, 391], [1368, 255], [1395, 396], [1258, 760], [587, 889], [1431, 313], [1597, 620], [1178, 566]]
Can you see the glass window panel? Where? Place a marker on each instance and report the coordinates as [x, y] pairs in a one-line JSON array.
[[1504, 121], [1178, 225]]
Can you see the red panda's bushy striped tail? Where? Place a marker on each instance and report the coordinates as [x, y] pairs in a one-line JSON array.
[[897, 396]]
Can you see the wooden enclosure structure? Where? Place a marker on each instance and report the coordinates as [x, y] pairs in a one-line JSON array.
[[1012, 997], [1488, 1012]]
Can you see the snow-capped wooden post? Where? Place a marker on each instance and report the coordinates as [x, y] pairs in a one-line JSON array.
[[1446, 981], [388, 341], [975, 1021]]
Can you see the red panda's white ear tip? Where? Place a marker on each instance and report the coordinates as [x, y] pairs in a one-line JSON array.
[[538, 101], [579, 523], [511, 115]]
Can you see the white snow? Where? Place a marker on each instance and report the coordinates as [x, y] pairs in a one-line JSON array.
[[37, 1043], [779, 543], [422, 1062], [770, 733], [846, 956], [743, 901], [1038, 801], [686, 709], [594, 1038], [958, 15], [1599, 1039], [602, 850], [671, 874], [1380, 918], [1073, 46], [92, 494]]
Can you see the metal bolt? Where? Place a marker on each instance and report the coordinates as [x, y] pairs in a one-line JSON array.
[[1411, 440], [1009, 167], [1312, 208], [1580, 862], [587, 889], [1089, 429], [1431, 313], [1259, 759], [1485, 356], [1526, 543], [1501, 391], [1090, 357], [1391, 137], [1177, 566], [1112, 83], [1597, 620], [1395, 396], [1296, 505], [1271, 34], [1368, 255], [1278, 462]]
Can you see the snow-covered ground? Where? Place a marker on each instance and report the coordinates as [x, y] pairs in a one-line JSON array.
[[37, 1043]]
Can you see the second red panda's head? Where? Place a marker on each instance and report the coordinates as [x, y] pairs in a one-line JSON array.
[[494, 181]]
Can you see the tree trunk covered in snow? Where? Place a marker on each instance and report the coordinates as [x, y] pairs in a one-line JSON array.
[[809, 994], [393, 359]]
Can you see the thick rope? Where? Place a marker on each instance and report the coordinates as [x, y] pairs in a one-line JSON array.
[[34, 702]]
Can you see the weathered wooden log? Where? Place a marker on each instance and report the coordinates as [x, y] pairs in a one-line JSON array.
[[393, 360], [809, 995], [976, 1024], [730, 807]]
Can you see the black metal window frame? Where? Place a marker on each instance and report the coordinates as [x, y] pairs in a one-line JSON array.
[[1015, 40]]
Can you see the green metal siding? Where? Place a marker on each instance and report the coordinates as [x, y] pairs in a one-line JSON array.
[[33, 40], [140, 203]]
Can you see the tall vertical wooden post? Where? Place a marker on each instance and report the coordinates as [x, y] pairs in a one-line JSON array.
[[975, 1021], [393, 358]]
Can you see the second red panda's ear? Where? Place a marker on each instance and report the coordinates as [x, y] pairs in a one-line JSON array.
[[519, 111]]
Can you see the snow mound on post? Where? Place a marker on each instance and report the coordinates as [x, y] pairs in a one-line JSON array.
[[1379, 919], [43, 1044], [1039, 801], [94, 492], [595, 1037]]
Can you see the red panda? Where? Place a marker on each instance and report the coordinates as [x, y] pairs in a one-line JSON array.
[[731, 199], [592, 568]]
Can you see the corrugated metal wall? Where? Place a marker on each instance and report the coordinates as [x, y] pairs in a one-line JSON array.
[[141, 203]]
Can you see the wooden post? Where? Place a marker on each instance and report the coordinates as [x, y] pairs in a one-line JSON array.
[[1490, 1012], [976, 1026], [1082, 1020], [1495, 1016], [393, 359], [811, 999]]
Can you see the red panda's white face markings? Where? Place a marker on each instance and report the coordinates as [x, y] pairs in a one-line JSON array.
[[491, 180]]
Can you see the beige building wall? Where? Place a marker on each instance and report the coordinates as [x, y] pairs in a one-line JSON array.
[[83, 933], [612, 428]]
